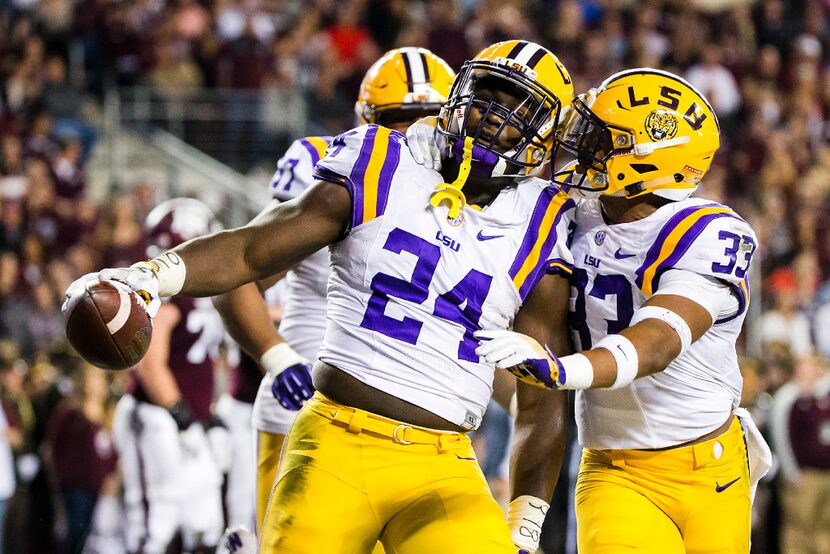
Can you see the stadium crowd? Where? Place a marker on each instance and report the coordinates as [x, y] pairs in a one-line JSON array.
[[765, 66]]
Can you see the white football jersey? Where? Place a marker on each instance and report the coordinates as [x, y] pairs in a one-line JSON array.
[[616, 269], [304, 311], [408, 288]]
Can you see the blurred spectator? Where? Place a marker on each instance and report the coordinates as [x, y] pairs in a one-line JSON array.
[[716, 82], [446, 37], [821, 320], [39, 142], [801, 437], [120, 234], [7, 479], [65, 103], [175, 75], [785, 322], [78, 448], [67, 170]]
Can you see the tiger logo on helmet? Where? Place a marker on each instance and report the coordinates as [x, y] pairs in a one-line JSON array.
[[661, 125], [403, 85], [541, 87], [641, 131]]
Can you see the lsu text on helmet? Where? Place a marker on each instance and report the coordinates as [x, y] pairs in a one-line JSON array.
[[176, 221], [641, 131], [403, 85], [515, 138]]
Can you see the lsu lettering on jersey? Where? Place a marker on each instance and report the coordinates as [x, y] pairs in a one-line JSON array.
[[408, 288], [304, 317], [616, 269]]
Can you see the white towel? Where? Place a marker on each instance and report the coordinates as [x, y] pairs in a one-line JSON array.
[[760, 456]]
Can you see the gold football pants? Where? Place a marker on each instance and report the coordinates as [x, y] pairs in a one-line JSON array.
[[348, 478], [693, 499]]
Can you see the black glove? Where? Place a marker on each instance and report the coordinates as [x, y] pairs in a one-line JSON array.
[[181, 415]]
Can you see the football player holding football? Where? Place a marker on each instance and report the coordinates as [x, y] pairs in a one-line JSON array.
[[420, 261]]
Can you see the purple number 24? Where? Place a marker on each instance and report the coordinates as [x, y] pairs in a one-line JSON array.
[[470, 292]]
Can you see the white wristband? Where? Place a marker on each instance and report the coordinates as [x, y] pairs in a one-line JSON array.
[[525, 516], [626, 357], [579, 372], [169, 270], [670, 318], [279, 357]]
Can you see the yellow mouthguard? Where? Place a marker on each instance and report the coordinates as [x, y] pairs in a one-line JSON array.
[[451, 192]]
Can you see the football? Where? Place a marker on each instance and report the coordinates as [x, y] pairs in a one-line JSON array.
[[108, 325]]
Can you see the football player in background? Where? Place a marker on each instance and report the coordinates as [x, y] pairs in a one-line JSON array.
[[418, 265], [402, 86], [659, 294], [172, 481]]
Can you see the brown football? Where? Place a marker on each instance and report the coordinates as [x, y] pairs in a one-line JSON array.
[[107, 325]]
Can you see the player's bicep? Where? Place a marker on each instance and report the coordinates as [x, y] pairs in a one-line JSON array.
[[692, 313], [289, 232], [673, 322]]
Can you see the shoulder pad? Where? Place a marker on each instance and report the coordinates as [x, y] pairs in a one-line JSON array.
[[708, 239], [545, 246], [364, 160], [295, 168]]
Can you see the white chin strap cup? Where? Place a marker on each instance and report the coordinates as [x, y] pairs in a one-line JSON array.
[[648, 147]]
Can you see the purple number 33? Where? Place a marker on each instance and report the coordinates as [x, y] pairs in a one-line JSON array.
[[470, 292]]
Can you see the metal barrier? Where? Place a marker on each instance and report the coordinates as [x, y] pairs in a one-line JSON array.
[[222, 143], [240, 128]]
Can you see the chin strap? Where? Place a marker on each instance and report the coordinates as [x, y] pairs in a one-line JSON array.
[[451, 192]]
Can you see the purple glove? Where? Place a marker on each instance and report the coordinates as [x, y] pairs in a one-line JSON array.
[[293, 386]]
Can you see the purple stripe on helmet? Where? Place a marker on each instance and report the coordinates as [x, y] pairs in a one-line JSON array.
[[359, 172], [387, 171], [654, 252], [516, 49], [542, 264], [532, 232], [685, 243]]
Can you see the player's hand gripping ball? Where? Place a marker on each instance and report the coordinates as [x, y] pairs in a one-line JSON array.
[[107, 323]]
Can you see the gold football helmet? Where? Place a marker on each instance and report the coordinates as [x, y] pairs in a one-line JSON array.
[[403, 85], [540, 86], [641, 131]]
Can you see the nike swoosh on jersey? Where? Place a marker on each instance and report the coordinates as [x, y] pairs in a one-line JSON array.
[[620, 256], [721, 488], [482, 236]]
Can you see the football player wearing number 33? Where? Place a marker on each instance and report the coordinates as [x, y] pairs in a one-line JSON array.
[[418, 264], [658, 296]]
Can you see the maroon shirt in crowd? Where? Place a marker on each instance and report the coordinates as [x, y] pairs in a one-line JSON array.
[[810, 432], [82, 451]]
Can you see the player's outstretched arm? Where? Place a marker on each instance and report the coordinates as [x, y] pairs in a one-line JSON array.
[[274, 241], [541, 418]]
